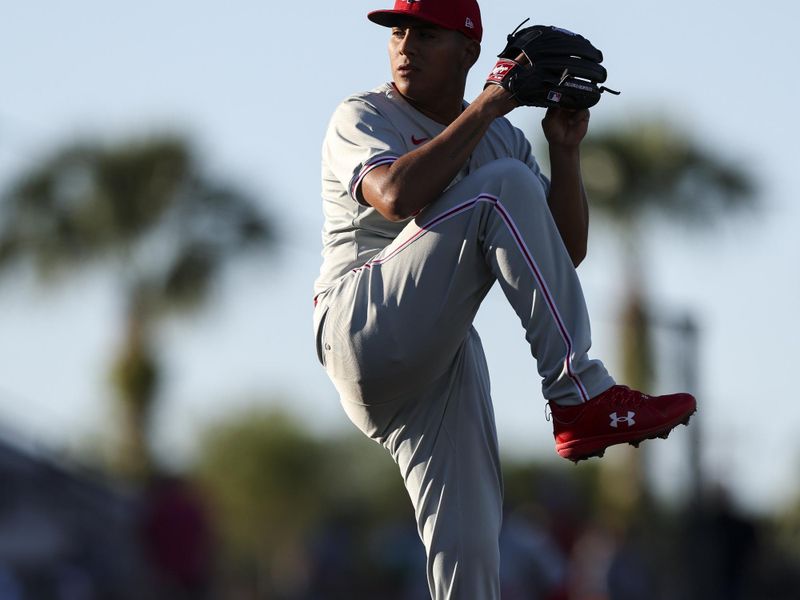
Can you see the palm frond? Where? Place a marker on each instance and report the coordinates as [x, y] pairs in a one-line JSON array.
[[653, 166]]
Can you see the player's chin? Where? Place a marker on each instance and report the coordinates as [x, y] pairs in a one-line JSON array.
[[403, 85], [410, 87]]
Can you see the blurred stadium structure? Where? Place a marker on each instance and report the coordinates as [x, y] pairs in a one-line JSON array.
[[64, 532]]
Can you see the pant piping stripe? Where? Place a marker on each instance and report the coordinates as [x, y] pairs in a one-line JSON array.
[[529, 260], [424, 229], [533, 266]]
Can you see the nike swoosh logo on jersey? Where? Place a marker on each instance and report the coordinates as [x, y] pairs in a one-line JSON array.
[[417, 142]]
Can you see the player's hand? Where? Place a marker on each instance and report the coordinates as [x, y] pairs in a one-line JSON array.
[[565, 128], [498, 100]]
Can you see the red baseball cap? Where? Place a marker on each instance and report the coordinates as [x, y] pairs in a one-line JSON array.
[[458, 15]]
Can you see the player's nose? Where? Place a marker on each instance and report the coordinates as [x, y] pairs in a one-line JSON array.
[[407, 45]]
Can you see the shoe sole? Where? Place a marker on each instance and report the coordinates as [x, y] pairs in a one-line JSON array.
[[596, 447]]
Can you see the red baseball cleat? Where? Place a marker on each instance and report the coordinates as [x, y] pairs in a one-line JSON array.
[[617, 416]]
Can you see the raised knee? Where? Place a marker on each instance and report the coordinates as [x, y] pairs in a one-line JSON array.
[[511, 169], [512, 178]]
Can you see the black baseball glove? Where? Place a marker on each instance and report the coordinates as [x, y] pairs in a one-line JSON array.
[[564, 68]]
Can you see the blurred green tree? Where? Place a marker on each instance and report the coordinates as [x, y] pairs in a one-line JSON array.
[[264, 475], [634, 173], [273, 485], [147, 210], [653, 168]]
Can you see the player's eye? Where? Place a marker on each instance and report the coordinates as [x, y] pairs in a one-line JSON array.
[[398, 33]]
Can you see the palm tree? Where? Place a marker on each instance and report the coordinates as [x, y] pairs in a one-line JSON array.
[[653, 168], [145, 209]]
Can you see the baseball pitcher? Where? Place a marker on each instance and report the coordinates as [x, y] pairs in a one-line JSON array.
[[428, 202]]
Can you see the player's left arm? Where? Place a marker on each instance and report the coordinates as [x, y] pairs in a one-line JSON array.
[[564, 131]]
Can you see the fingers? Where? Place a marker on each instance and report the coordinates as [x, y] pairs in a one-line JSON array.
[[567, 119], [575, 115], [580, 115], [565, 127], [522, 59]]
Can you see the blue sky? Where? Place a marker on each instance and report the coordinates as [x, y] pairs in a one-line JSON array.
[[253, 85]]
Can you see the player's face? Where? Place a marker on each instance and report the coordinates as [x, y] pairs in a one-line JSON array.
[[429, 63]]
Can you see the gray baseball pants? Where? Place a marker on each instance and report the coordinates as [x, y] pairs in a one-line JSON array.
[[396, 338]]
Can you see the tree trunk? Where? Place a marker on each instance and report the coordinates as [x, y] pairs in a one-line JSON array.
[[626, 487], [136, 376]]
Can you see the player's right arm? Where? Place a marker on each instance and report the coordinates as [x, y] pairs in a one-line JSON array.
[[412, 182]]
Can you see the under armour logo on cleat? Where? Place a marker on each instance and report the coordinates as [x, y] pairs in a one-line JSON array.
[[615, 420]]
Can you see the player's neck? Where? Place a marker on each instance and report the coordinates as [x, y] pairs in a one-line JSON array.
[[443, 111]]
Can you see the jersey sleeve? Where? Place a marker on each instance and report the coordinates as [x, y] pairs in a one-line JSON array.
[[358, 140]]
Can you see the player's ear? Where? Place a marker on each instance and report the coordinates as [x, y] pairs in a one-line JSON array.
[[472, 51]]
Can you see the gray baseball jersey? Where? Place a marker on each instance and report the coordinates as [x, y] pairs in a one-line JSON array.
[[372, 129], [394, 305]]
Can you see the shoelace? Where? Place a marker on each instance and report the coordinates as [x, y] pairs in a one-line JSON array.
[[628, 398]]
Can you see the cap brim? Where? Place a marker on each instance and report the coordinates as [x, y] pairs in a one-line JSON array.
[[389, 18]]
